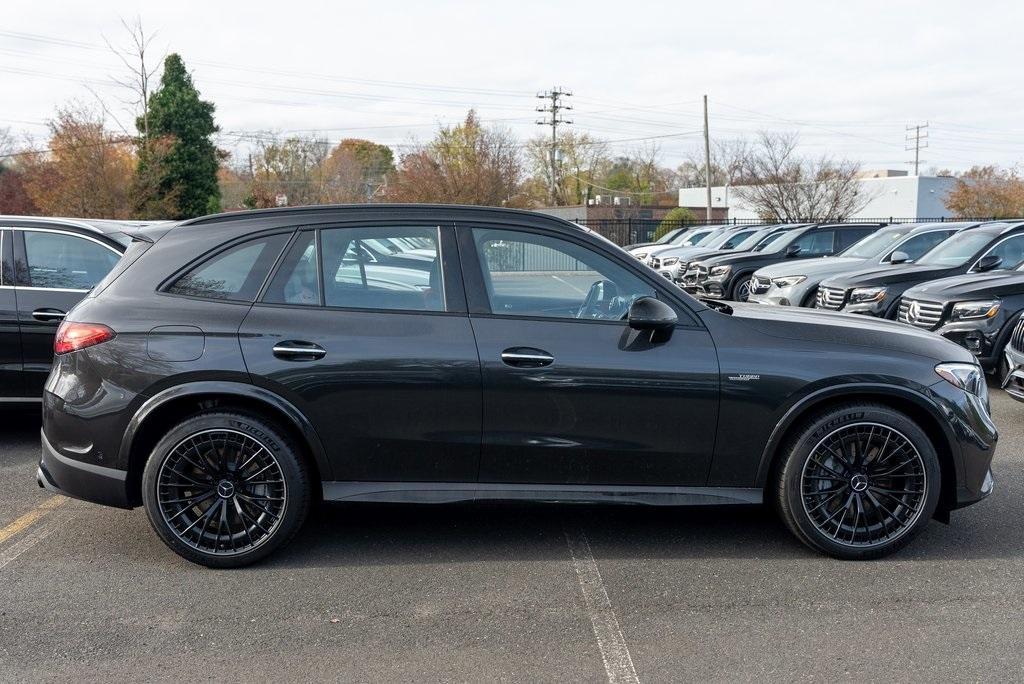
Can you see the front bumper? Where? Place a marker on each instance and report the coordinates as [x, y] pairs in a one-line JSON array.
[[1013, 383], [973, 443], [87, 481]]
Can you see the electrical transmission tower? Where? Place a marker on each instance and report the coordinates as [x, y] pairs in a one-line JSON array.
[[556, 106], [917, 141]]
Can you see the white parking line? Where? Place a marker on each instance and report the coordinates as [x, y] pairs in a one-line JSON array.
[[618, 664]]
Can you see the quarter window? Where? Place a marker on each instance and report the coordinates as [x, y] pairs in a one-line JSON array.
[[235, 274], [62, 261], [537, 275], [296, 279]]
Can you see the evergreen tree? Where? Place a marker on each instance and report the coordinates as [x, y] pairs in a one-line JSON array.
[[178, 160]]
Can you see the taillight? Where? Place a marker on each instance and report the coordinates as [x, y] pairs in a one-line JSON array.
[[73, 336]]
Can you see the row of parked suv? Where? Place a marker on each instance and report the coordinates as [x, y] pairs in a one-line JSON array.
[[962, 280]]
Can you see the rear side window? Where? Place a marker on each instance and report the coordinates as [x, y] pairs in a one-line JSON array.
[[296, 279], [848, 236], [235, 274], [62, 261]]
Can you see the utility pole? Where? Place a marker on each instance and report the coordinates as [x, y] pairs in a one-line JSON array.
[[555, 95], [916, 141], [707, 157]]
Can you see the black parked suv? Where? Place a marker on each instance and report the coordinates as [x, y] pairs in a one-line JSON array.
[[977, 310], [46, 267], [236, 368], [728, 276], [877, 291]]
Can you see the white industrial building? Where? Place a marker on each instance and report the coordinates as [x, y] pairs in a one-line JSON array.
[[893, 194]]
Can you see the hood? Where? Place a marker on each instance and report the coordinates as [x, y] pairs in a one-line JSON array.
[[970, 286], [822, 267], [741, 258], [656, 250], [829, 327], [890, 275], [691, 252]]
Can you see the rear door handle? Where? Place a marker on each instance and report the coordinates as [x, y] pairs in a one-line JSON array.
[[48, 314], [526, 357], [297, 350]]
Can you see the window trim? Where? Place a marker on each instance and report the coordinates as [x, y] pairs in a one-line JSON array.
[[451, 276], [991, 247], [163, 287], [479, 305], [21, 249]]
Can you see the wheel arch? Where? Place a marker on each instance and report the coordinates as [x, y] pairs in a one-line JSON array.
[[174, 404], [910, 402]]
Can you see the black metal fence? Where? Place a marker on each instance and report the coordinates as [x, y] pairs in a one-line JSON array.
[[629, 231]]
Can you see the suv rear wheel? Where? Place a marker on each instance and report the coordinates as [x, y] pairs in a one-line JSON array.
[[225, 489], [858, 482]]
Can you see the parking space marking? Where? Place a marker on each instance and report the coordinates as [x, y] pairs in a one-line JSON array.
[[618, 663], [38, 534], [26, 521]]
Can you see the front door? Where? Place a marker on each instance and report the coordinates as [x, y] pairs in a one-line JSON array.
[[572, 395], [55, 270], [365, 330]]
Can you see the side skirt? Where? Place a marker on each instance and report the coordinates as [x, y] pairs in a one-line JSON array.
[[453, 492]]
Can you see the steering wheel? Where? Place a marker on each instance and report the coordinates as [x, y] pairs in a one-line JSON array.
[[603, 294]]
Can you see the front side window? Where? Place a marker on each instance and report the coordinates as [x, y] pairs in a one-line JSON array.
[[1010, 251], [393, 268], [537, 275], [917, 245], [235, 274], [63, 261]]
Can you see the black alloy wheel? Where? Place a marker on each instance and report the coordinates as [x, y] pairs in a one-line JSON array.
[[741, 292], [858, 481], [224, 489]]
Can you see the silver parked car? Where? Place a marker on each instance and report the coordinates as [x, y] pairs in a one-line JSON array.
[[691, 237], [795, 283], [672, 264]]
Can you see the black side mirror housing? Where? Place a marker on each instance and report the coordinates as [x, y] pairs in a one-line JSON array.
[[792, 250], [899, 257], [648, 313], [988, 262]]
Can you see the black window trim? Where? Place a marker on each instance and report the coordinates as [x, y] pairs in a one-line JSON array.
[[21, 250], [163, 288], [451, 275], [476, 292]]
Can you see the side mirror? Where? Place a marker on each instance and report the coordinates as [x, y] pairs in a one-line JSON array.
[[988, 262], [899, 257], [792, 250], [648, 313]]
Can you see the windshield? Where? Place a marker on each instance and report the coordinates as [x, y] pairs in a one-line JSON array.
[[751, 241], [956, 250], [779, 241], [718, 239], [738, 238], [876, 243], [694, 238], [670, 236]]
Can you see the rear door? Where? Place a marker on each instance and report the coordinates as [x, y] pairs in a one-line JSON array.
[[846, 237], [55, 269], [10, 338], [365, 330]]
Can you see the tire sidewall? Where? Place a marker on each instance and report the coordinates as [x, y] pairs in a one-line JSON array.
[[296, 503], [744, 280], [821, 427]]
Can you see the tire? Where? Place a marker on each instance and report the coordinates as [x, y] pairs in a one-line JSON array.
[[741, 290], [242, 466], [838, 469]]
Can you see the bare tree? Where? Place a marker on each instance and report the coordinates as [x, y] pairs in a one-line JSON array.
[[728, 160], [140, 73], [782, 185], [583, 160], [292, 166]]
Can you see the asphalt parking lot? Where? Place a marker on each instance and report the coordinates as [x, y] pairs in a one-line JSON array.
[[470, 593]]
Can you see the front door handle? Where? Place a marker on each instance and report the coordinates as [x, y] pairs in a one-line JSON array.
[[48, 314], [297, 350], [526, 357]]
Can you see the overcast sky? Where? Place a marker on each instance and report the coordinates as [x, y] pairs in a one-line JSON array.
[[848, 76]]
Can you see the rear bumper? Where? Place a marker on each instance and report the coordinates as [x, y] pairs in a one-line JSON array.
[[63, 475]]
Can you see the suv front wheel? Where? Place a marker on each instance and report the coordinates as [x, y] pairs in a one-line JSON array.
[[225, 489], [858, 482]]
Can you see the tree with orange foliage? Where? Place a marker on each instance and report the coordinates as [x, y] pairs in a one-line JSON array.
[[987, 192], [85, 172]]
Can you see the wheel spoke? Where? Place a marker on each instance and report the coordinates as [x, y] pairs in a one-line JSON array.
[[211, 516], [881, 466]]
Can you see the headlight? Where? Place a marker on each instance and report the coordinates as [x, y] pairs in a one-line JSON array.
[[861, 295], [972, 311], [640, 255], [967, 376], [669, 261], [789, 281], [719, 272]]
